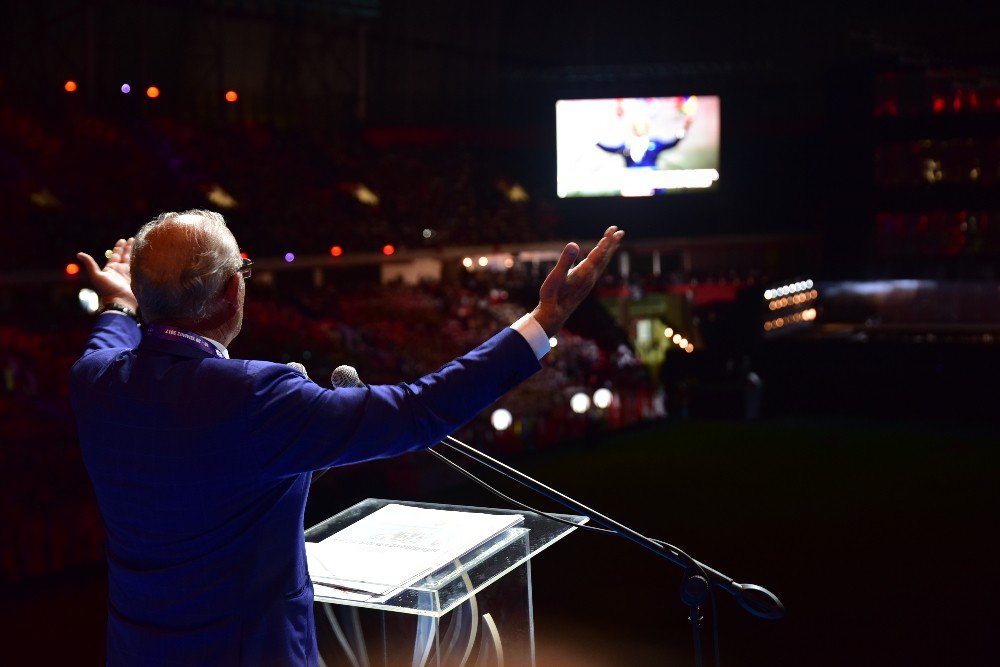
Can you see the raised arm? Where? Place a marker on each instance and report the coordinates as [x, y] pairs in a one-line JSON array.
[[611, 149], [565, 288], [113, 285]]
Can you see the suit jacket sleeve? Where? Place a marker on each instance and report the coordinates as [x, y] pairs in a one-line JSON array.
[[299, 426], [112, 331]]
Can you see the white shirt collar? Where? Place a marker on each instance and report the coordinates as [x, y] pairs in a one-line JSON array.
[[219, 346]]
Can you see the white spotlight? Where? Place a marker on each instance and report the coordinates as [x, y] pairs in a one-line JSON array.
[[580, 403], [501, 419], [88, 300], [602, 398]]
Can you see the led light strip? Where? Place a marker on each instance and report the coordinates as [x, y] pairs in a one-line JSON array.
[[793, 300], [807, 315], [786, 290]]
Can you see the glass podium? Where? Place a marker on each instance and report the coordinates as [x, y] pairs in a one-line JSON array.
[[476, 611]]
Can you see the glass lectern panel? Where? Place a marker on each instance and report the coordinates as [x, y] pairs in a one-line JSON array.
[[477, 609]]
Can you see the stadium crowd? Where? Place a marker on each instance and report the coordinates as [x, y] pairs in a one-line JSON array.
[[49, 514], [77, 180]]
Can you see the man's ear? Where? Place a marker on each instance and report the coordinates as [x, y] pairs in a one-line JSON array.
[[231, 293]]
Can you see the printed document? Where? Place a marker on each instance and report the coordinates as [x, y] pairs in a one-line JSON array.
[[396, 546]]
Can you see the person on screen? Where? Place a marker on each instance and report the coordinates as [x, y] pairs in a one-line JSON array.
[[201, 463], [642, 151]]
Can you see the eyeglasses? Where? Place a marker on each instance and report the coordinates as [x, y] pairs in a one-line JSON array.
[[246, 269]]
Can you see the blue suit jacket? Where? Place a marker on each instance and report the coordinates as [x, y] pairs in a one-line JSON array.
[[648, 158], [202, 465]]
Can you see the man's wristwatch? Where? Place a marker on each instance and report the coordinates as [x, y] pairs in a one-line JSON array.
[[124, 310]]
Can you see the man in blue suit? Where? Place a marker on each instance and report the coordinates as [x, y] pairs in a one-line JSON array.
[[642, 151], [201, 463]]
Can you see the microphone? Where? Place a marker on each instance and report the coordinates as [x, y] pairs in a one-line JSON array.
[[345, 377], [299, 368]]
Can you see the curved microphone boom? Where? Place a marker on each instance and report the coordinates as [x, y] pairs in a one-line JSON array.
[[755, 599]]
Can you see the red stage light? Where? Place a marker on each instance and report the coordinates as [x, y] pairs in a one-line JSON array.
[[152, 92], [72, 269], [938, 104], [388, 249], [231, 96], [70, 86], [244, 255], [336, 251]]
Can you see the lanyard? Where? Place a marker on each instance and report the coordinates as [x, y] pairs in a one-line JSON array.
[[189, 338]]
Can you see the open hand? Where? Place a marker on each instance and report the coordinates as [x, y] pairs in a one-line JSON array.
[[113, 283], [565, 288]]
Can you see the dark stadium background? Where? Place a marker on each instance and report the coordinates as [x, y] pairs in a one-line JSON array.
[[860, 148]]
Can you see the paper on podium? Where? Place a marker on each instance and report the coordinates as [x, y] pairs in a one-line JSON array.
[[397, 545]]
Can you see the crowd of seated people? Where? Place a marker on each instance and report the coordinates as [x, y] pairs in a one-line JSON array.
[[71, 180], [80, 179], [48, 512], [383, 332]]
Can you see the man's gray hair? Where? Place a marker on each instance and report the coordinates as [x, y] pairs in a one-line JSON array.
[[180, 267]]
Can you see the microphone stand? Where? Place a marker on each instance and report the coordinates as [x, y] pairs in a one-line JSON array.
[[698, 577]]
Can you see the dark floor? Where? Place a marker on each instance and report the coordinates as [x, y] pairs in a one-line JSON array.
[[877, 537]]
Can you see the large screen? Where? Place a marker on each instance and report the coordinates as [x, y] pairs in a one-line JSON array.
[[636, 147]]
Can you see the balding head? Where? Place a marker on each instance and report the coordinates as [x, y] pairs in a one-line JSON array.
[[181, 263]]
